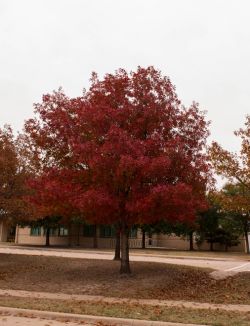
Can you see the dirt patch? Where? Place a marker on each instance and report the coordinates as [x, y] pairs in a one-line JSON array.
[[101, 277]]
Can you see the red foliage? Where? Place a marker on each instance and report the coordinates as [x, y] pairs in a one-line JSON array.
[[126, 151]]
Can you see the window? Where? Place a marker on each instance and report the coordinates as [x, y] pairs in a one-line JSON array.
[[52, 232], [63, 231], [89, 230], [133, 232], [56, 232], [35, 231], [107, 231]]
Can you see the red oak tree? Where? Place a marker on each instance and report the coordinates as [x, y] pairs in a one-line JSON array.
[[126, 152]]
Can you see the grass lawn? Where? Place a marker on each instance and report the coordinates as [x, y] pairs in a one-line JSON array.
[[101, 277], [181, 315]]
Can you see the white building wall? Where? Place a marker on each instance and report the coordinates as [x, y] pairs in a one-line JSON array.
[[23, 237], [169, 242]]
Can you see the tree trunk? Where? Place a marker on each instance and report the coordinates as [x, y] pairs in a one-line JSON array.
[[191, 241], [47, 244], [95, 244], [211, 246], [246, 237], [150, 238], [117, 245], [143, 244], [70, 235], [125, 268], [78, 235]]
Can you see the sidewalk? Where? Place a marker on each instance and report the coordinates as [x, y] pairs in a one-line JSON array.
[[44, 318], [132, 252], [9, 320]]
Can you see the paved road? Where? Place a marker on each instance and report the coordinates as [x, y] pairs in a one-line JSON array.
[[233, 265]]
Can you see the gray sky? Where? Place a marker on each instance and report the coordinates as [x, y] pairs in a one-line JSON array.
[[202, 45]]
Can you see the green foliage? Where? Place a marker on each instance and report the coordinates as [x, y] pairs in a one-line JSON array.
[[218, 226]]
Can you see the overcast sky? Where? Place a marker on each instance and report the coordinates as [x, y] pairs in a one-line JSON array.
[[202, 45]]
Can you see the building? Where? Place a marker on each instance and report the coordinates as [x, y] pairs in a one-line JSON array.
[[86, 236], [7, 233], [102, 236]]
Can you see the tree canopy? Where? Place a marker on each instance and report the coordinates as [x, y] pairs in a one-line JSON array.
[[236, 168], [126, 152], [13, 176]]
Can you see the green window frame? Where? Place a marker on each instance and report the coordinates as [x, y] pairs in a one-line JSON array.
[[35, 231], [107, 231], [53, 232], [133, 233]]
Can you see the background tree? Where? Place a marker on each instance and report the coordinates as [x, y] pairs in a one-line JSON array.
[[229, 231], [208, 222], [13, 177], [146, 229], [187, 230], [230, 165], [127, 152], [237, 169], [183, 229], [218, 224], [117, 242], [235, 201]]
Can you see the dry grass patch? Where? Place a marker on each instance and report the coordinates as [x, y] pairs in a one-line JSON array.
[[101, 277], [181, 315]]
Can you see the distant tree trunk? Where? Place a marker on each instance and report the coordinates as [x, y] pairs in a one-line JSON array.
[[95, 244], [117, 245], [191, 241], [211, 246], [150, 234], [143, 244], [70, 235], [125, 268], [246, 237], [47, 244], [78, 234]]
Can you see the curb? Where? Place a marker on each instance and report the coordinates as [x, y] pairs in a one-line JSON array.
[[85, 318]]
